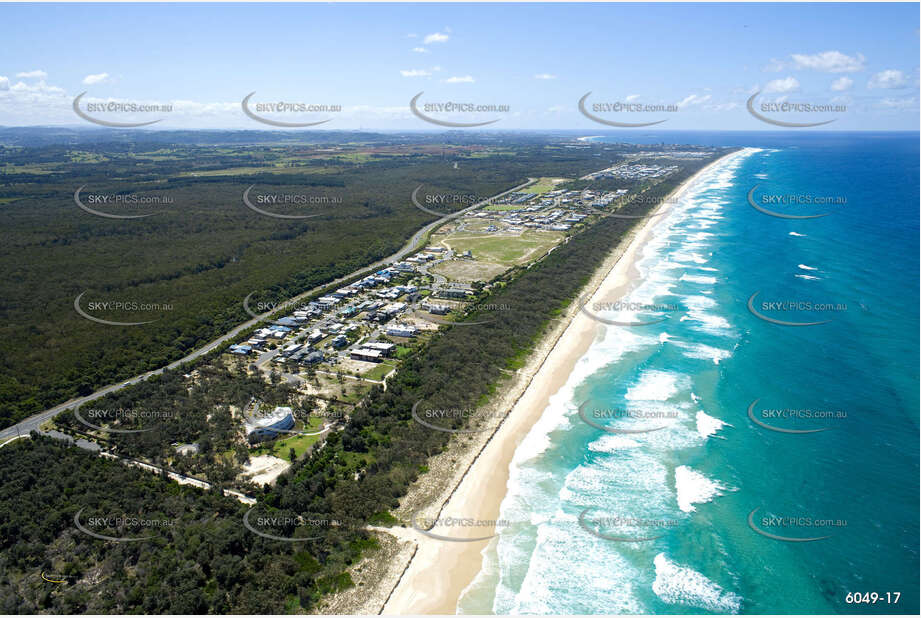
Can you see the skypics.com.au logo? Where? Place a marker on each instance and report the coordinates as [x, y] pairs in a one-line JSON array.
[[119, 109], [442, 418], [255, 110], [121, 416], [122, 527], [768, 204], [467, 109], [446, 205], [126, 202], [615, 108], [299, 203], [772, 112], [119, 307]]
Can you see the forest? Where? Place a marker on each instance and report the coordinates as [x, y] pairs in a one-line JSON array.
[[353, 479], [204, 562], [184, 270]]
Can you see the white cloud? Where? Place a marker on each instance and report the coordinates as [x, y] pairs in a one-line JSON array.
[[890, 78], [774, 66], [466, 79], [96, 78], [898, 104], [829, 62], [420, 50], [842, 83], [197, 109], [415, 73], [435, 37], [4, 83], [362, 111], [36, 90], [632, 97], [693, 99], [544, 76], [787, 84], [742, 91], [722, 107], [36, 74]]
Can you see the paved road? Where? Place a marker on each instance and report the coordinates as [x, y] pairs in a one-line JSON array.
[[33, 422]]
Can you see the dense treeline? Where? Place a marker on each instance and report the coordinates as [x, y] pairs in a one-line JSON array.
[[198, 256], [353, 479], [171, 410], [129, 138], [203, 561]]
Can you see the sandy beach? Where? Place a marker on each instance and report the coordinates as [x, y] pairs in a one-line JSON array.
[[440, 570]]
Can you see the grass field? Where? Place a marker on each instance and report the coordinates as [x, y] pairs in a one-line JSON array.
[[502, 207], [477, 225], [468, 271], [545, 184], [503, 249], [300, 444], [378, 372]]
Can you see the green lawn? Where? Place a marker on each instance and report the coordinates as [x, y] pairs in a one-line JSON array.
[[378, 372], [502, 207], [508, 250], [300, 444], [542, 185]]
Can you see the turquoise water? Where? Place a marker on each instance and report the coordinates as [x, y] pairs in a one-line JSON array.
[[687, 488]]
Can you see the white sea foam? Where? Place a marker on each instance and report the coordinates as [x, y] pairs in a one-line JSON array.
[[581, 587], [552, 565], [714, 324], [628, 478], [698, 303], [616, 342], [653, 386], [698, 279], [808, 277], [609, 443], [694, 488], [804, 267], [680, 585], [795, 234], [705, 352], [708, 425], [682, 256]]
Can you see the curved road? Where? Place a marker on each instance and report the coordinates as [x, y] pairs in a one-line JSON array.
[[33, 422]]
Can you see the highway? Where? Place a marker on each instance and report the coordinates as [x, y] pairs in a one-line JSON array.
[[33, 422]]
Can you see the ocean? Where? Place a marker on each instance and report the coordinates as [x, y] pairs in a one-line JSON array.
[[724, 462]]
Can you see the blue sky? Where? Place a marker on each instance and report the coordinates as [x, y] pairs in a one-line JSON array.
[[537, 59]]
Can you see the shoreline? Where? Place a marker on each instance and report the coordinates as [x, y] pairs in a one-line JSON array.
[[440, 571]]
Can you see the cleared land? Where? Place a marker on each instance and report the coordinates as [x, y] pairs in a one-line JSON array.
[[468, 271], [546, 184], [505, 249]]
